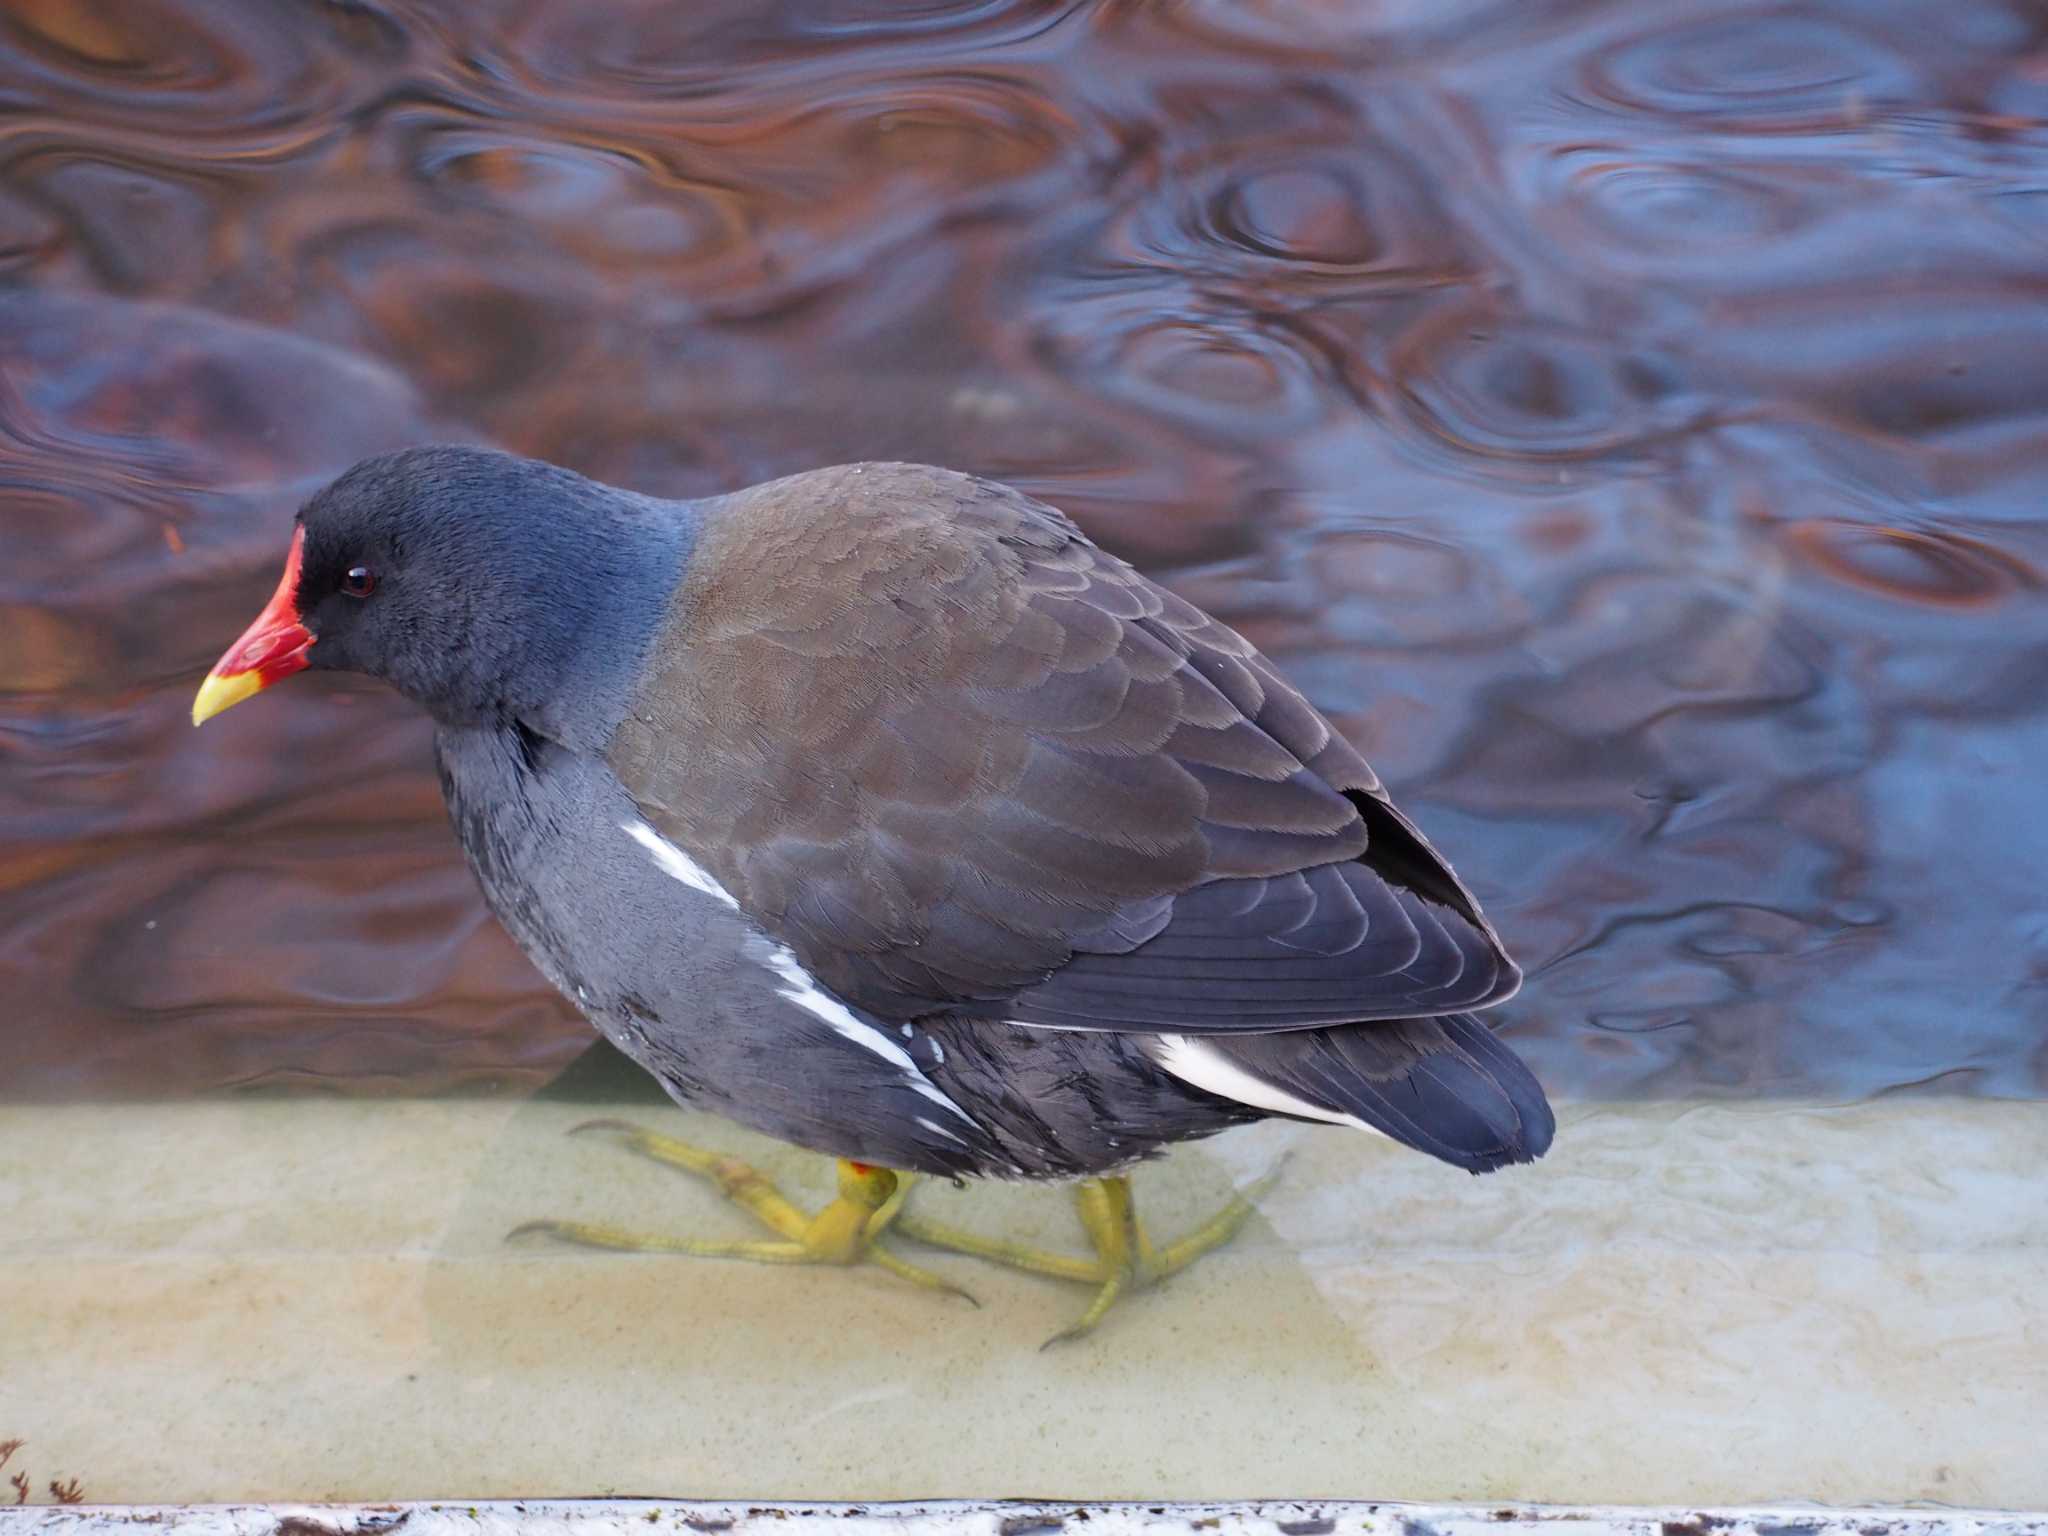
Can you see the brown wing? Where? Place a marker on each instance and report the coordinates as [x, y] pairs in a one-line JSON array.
[[954, 755]]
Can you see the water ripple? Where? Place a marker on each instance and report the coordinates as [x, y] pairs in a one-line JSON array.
[[1769, 72], [1628, 422]]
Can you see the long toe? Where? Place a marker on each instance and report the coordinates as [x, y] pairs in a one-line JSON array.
[[1157, 1264], [847, 1232], [1125, 1258]]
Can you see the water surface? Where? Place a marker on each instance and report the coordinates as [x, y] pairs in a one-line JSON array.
[[1629, 422]]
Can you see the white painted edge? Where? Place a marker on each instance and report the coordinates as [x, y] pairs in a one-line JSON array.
[[653, 1517]]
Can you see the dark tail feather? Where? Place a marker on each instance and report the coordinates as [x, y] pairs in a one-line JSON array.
[[1444, 1086]]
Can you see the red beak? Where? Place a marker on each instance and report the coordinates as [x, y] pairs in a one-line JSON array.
[[272, 648]]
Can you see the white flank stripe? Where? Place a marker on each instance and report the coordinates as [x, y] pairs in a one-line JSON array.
[[675, 863], [809, 996], [1199, 1063], [802, 989]]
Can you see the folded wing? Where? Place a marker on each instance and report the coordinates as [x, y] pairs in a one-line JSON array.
[[957, 758]]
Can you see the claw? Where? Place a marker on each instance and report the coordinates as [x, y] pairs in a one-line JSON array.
[[602, 1123], [534, 1229]]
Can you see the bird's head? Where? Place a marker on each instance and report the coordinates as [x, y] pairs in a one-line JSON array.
[[469, 580]]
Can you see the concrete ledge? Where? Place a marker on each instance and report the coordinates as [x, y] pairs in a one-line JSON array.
[[314, 1299]]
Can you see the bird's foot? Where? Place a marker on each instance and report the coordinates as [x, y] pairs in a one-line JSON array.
[[847, 1231], [1125, 1259]]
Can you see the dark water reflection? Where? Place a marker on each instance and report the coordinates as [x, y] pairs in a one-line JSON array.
[[1629, 424]]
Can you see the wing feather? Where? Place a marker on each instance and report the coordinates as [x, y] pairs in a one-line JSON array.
[[956, 757]]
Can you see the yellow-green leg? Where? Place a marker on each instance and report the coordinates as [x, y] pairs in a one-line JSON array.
[[846, 1231], [1125, 1258]]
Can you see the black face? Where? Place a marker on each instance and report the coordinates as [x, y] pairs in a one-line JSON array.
[[384, 572], [341, 571]]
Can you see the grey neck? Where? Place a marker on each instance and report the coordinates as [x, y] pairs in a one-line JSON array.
[[577, 684]]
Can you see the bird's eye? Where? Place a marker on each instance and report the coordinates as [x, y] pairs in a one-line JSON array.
[[361, 581]]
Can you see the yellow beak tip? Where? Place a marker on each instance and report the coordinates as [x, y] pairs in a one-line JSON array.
[[218, 693]]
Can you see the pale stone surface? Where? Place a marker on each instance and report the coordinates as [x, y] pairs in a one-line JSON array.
[[1730, 1305]]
